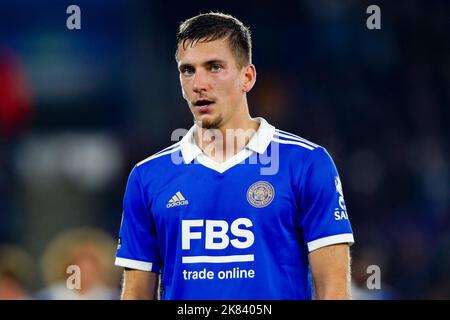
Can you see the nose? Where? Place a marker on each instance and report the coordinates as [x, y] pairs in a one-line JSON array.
[[200, 82]]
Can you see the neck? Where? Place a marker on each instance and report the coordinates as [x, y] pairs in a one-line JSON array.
[[227, 140]]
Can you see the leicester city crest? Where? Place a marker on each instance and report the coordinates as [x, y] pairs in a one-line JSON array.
[[260, 194]]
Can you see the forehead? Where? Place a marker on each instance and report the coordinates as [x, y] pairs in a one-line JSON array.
[[204, 51]]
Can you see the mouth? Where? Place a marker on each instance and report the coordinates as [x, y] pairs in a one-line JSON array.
[[203, 105]]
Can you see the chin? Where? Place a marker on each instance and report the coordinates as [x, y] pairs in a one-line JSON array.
[[209, 122]]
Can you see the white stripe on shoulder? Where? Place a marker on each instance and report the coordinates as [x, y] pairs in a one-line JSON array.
[[289, 135], [159, 155], [170, 147], [297, 143]]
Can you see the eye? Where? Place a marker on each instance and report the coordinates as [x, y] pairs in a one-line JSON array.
[[216, 67], [187, 71]]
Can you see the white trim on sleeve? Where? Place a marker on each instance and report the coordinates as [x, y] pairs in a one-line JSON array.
[[134, 264], [322, 242]]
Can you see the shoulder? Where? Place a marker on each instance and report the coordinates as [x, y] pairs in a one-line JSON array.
[[160, 156], [294, 142], [153, 168], [302, 151]]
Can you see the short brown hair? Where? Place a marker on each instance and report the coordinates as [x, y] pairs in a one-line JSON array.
[[213, 26]]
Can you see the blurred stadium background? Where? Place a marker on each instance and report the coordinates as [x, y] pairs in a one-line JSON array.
[[79, 108]]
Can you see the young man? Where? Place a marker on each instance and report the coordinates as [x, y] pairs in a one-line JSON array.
[[237, 209]]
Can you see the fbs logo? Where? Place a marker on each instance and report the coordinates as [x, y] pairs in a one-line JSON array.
[[177, 200]]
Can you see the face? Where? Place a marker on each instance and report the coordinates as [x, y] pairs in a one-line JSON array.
[[213, 84]]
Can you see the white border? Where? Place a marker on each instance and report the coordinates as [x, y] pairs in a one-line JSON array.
[[159, 155], [326, 241], [134, 264], [286, 134], [221, 167], [218, 259], [297, 143]]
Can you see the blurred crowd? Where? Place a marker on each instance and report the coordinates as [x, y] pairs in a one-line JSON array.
[[75, 265], [79, 108]]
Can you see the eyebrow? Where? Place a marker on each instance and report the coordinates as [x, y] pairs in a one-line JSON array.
[[206, 63]]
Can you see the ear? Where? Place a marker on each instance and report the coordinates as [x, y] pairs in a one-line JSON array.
[[249, 74]]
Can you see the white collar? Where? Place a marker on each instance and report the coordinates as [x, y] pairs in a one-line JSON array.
[[258, 142]]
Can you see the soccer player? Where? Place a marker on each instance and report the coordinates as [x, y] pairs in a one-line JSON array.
[[237, 209]]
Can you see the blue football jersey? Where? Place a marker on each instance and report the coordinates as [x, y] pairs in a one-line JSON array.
[[239, 229]]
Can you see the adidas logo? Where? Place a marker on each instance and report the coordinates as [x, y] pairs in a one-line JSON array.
[[177, 200]]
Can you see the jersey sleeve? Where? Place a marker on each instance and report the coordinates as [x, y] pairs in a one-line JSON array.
[[324, 219], [138, 243]]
